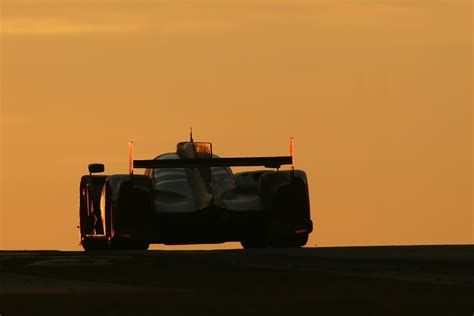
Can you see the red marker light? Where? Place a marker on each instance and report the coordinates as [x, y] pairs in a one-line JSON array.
[[130, 158], [292, 152], [301, 231]]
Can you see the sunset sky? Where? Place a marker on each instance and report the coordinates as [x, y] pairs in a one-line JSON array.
[[377, 94]]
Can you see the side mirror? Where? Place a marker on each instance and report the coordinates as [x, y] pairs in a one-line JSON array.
[[96, 168]]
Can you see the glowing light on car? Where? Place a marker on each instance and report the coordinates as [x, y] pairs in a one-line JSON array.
[[203, 150], [292, 152], [301, 231], [130, 159]]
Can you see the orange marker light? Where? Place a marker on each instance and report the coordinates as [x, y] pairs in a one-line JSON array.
[[292, 153], [130, 159]]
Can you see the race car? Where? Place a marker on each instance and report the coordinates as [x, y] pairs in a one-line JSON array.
[[191, 196]]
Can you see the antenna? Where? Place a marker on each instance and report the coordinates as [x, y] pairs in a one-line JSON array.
[[191, 135], [130, 158]]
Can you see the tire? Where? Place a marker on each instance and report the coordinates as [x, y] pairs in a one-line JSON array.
[[129, 210], [257, 241], [300, 240], [295, 241], [286, 195]]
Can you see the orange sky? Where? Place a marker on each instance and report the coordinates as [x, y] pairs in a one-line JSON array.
[[378, 95]]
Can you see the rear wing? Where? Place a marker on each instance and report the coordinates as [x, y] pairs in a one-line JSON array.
[[267, 162]]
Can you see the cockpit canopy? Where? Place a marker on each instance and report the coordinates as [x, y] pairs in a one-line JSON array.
[[197, 186]]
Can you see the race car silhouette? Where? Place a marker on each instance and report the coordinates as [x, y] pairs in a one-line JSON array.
[[191, 196]]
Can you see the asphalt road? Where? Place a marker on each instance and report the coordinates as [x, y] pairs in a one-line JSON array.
[[399, 280]]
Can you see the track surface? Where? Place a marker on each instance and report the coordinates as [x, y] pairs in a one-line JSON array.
[[401, 280]]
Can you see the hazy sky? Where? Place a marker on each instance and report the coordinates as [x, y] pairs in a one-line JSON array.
[[378, 95]]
